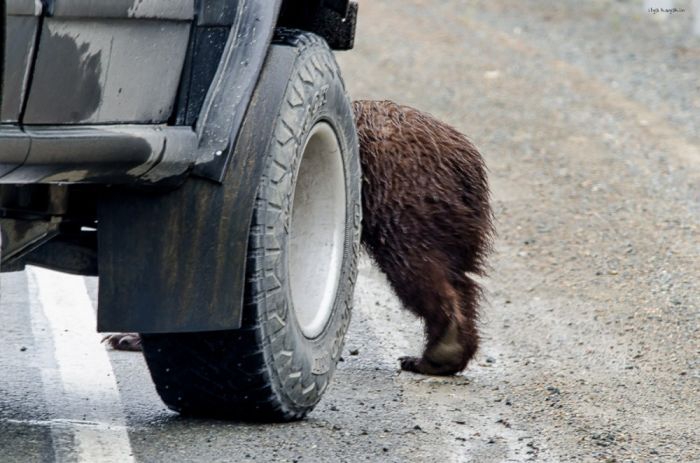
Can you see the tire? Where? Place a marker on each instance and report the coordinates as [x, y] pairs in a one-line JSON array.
[[300, 270]]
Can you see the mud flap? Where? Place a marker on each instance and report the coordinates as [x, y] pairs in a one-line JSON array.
[[175, 261]]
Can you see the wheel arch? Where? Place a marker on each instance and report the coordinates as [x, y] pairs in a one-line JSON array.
[[185, 291]]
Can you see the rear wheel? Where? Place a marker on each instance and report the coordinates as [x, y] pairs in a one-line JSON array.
[[301, 265]]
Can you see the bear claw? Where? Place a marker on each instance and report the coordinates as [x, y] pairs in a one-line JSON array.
[[123, 341], [410, 364]]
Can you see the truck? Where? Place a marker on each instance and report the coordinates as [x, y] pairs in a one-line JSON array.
[[200, 157]]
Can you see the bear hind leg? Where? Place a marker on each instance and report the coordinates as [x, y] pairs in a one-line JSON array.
[[450, 323]]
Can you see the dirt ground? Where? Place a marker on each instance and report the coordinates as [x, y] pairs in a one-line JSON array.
[[587, 114]]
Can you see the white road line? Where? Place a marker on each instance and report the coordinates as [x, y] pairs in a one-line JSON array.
[[64, 423], [88, 422]]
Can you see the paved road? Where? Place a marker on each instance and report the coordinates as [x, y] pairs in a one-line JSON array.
[[587, 115]]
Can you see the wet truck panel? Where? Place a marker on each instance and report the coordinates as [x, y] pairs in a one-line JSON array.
[[92, 66], [22, 19], [14, 147]]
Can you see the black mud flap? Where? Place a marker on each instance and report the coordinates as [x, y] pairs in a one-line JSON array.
[[175, 261]]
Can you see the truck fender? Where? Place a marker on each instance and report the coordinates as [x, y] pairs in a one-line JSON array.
[[175, 261]]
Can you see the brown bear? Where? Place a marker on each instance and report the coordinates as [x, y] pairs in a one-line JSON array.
[[427, 223]]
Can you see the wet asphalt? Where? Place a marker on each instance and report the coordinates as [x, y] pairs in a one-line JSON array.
[[587, 115]]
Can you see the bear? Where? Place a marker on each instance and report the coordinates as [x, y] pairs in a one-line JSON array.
[[427, 223]]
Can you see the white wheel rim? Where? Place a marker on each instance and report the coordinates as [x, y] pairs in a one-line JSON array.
[[317, 235]]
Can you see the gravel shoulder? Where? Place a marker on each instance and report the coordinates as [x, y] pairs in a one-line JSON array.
[[586, 115]]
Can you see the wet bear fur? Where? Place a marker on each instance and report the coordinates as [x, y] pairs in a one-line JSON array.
[[427, 223]]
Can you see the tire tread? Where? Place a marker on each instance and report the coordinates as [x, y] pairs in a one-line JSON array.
[[255, 372]]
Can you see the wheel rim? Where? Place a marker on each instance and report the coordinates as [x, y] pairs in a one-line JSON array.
[[317, 235]]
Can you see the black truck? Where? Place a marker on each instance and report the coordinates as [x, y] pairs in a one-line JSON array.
[[200, 156]]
